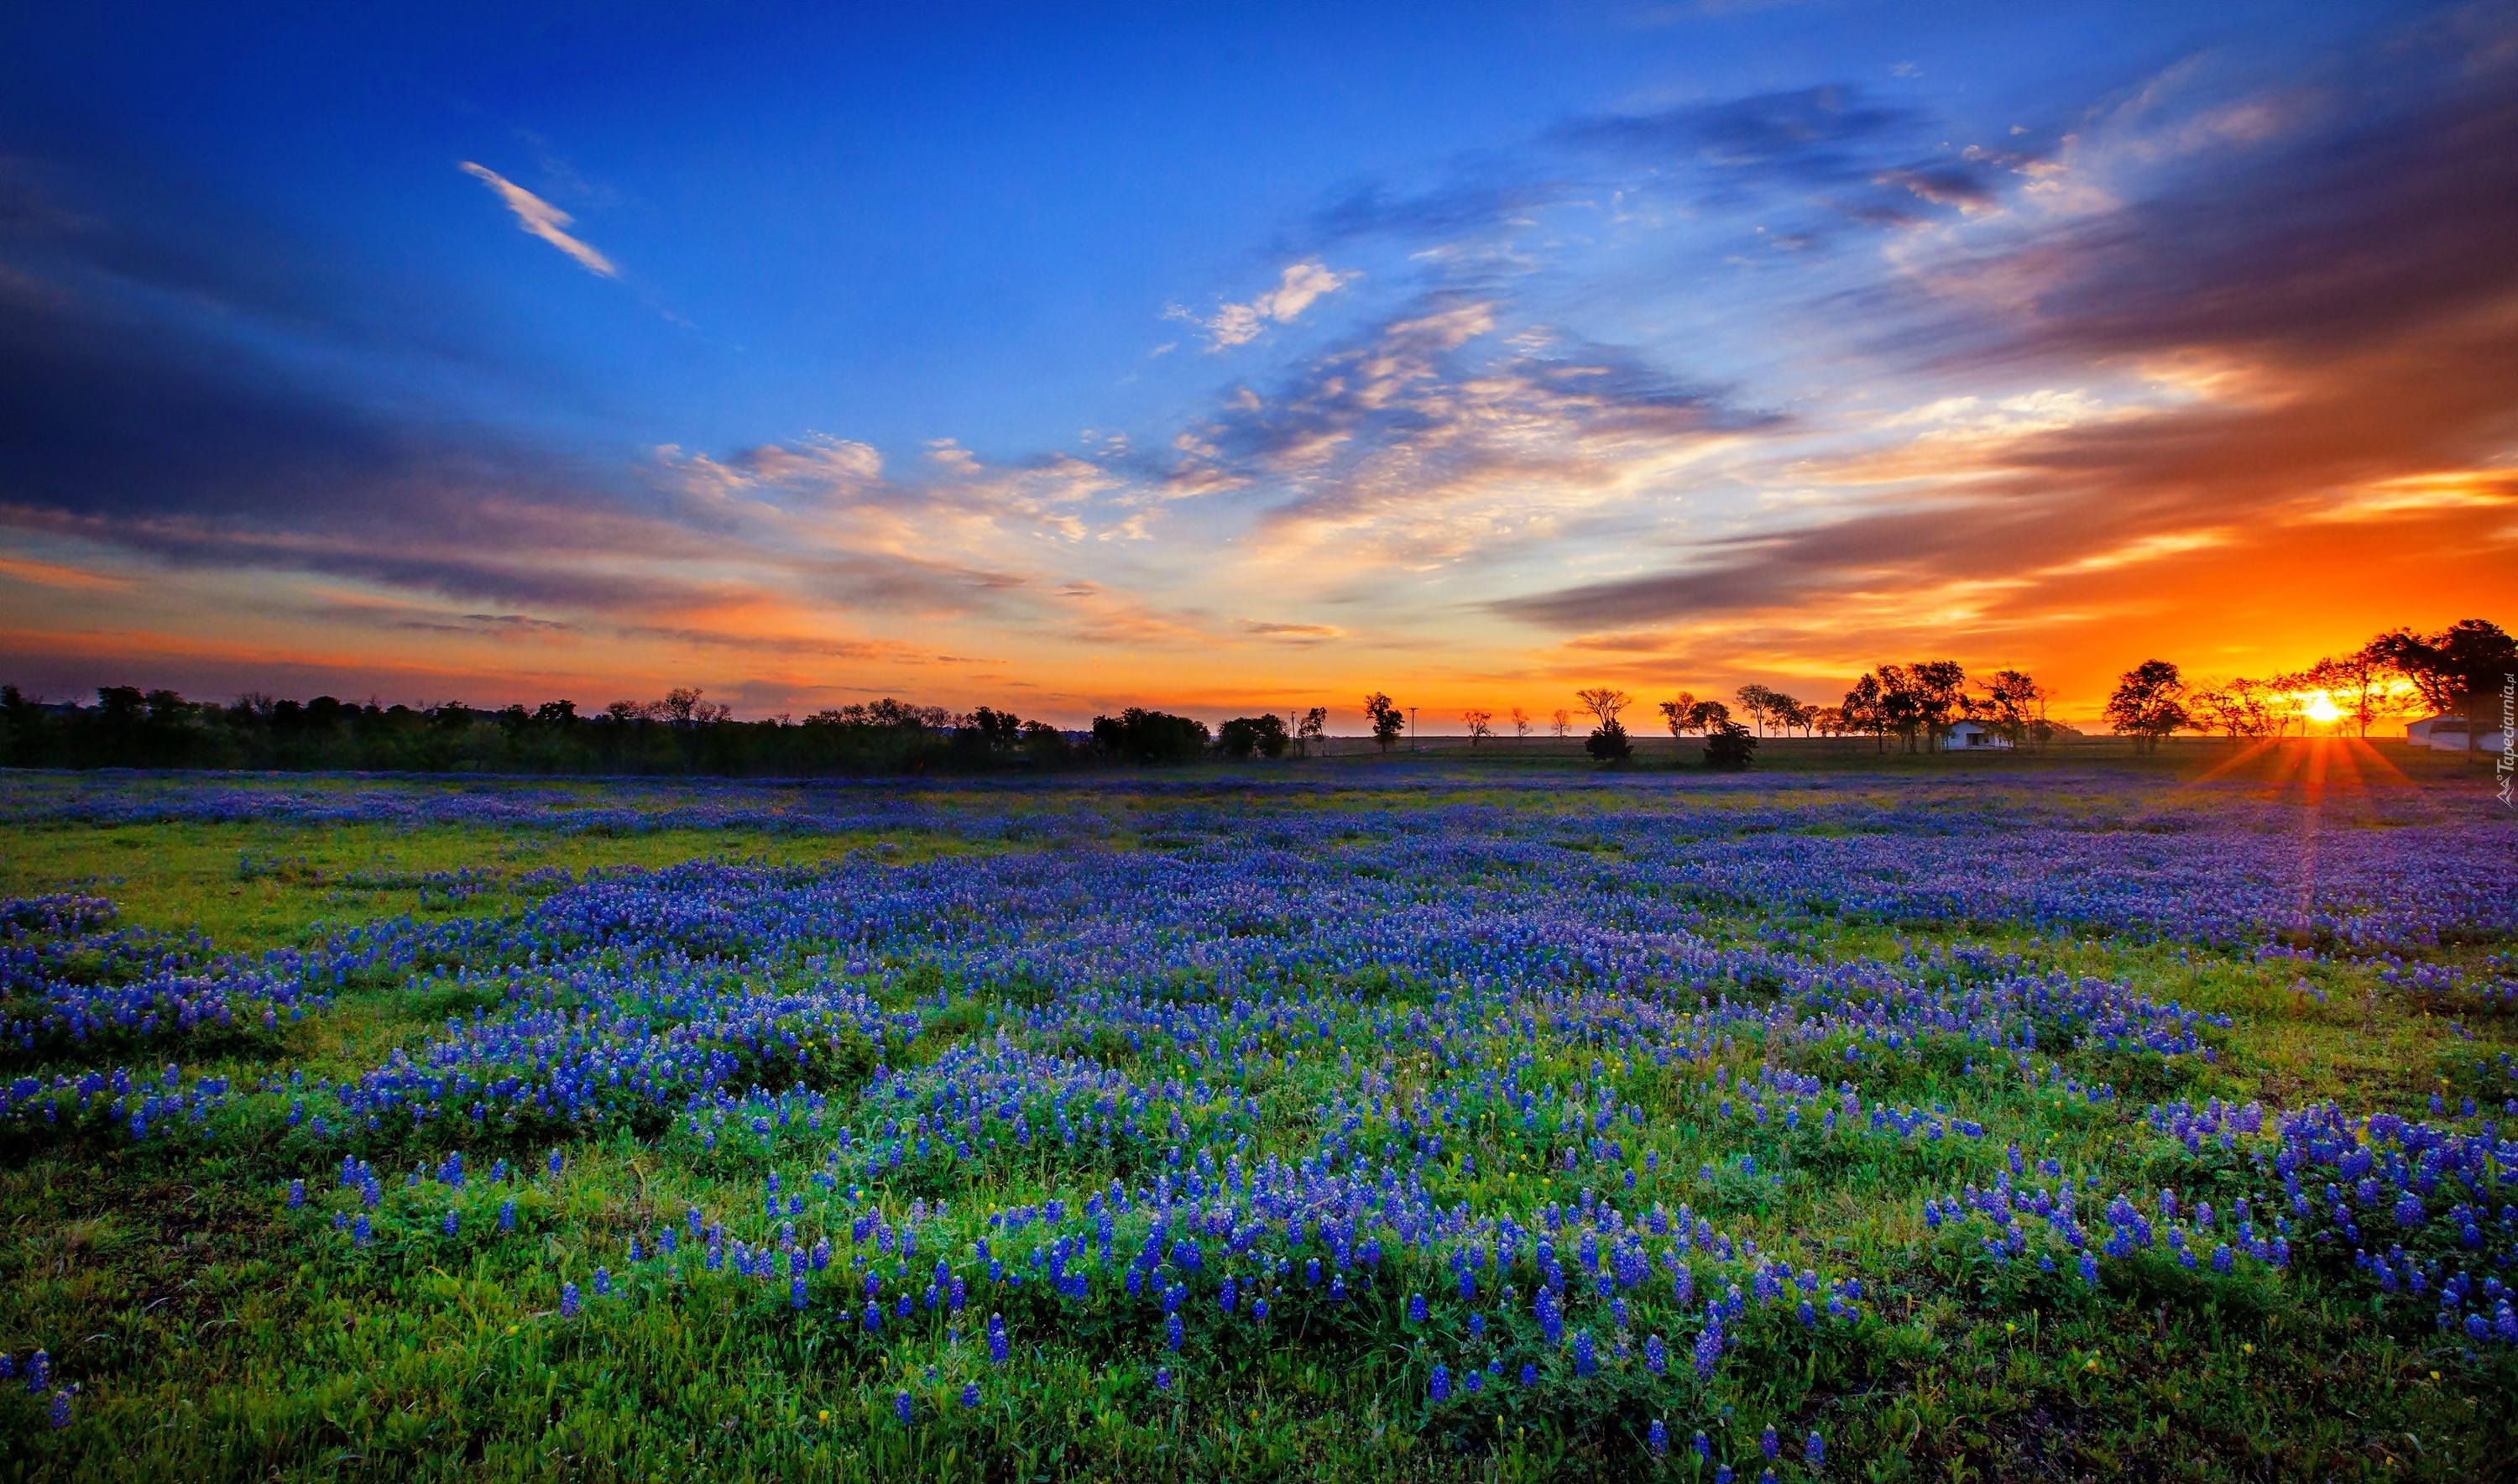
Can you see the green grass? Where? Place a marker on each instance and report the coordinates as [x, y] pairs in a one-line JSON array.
[[219, 1335]]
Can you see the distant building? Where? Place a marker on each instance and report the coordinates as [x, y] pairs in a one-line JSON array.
[[2453, 734], [1968, 735]]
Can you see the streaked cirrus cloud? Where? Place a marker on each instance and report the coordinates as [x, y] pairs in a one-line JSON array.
[[542, 219]]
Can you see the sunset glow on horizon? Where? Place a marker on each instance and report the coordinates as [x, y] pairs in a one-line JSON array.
[[1249, 361]]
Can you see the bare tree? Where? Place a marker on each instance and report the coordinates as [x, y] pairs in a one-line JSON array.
[[1520, 723], [1481, 724], [1562, 720], [1604, 703]]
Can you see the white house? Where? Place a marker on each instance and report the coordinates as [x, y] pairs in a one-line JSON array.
[[1968, 735], [2453, 734]]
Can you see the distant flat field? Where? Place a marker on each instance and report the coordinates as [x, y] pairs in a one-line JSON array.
[[1463, 1113]]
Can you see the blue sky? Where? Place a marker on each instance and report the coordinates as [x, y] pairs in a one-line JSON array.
[[1201, 356]]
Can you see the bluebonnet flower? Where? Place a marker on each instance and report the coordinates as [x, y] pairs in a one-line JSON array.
[[1657, 1439], [901, 1407], [1439, 1387], [61, 1410], [453, 1220], [1656, 1355], [567, 1300], [1415, 1308], [1815, 1452], [296, 1194], [506, 1215], [1768, 1444], [970, 1394], [1162, 1378]]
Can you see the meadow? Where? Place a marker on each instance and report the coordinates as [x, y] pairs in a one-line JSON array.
[[1441, 1118]]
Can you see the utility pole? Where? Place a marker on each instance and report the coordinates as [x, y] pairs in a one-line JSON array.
[[1411, 728]]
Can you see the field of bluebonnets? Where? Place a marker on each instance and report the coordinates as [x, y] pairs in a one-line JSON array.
[[1345, 1121]]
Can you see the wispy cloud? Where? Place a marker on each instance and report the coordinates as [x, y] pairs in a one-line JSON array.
[[542, 219], [1300, 286]]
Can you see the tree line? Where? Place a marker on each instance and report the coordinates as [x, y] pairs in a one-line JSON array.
[[683, 733], [1918, 703], [2462, 670]]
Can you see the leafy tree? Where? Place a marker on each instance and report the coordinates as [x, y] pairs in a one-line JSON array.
[[1609, 742], [2364, 685], [1140, 735], [1481, 724], [1865, 711], [1935, 697], [2453, 669], [1388, 721], [2149, 704], [986, 732], [1603, 703], [1706, 716], [1677, 713], [1729, 746], [2012, 706], [1759, 703], [1242, 736]]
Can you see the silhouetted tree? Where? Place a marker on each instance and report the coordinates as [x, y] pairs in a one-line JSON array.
[[1609, 742], [1481, 724], [1865, 711], [2149, 703], [2010, 706], [1244, 736], [1603, 703], [1759, 702], [1729, 746], [1140, 735], [1388, 721], [2453, 669]]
